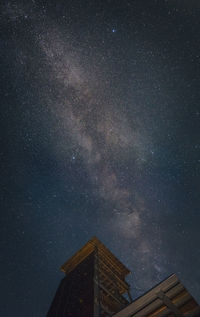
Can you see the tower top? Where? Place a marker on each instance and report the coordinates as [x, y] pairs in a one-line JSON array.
[[94, 244], [94, 284]]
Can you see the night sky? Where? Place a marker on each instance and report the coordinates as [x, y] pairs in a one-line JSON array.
[[100, 136]]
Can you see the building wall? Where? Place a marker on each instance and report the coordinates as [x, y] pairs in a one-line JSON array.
[[75, 294]]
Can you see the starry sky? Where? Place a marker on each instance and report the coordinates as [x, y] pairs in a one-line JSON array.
[[99, 136]]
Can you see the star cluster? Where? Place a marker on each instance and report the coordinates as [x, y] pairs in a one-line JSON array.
[[100, 109]]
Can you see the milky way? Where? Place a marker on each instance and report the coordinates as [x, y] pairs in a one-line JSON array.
[[101, 135], [103, 110]]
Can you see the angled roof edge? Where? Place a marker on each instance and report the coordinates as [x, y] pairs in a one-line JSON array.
[[171, 286], [93, 244]]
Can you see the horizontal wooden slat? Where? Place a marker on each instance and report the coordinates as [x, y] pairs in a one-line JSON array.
[[175, 298], [149, 297]]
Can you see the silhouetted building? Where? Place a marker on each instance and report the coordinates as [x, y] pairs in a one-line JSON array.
[[94, 286]]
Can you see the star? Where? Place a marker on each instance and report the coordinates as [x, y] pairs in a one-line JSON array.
[[100, 117]]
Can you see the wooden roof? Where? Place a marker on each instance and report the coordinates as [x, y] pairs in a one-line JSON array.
[[103, 252], [169, 298]]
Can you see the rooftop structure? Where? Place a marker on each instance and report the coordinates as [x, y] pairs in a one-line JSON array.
[[97, 284], [94, 286], [169, 298]]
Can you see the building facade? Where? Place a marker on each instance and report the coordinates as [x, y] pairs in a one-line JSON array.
[[95, 286]]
